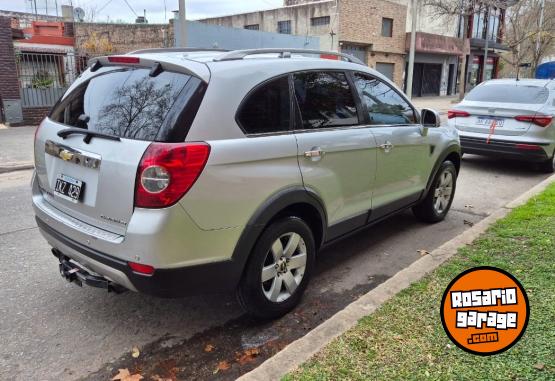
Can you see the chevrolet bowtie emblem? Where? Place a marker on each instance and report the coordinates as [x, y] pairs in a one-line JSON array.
[[65, 155]]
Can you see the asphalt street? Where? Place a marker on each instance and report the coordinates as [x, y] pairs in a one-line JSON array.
[[52, 330]]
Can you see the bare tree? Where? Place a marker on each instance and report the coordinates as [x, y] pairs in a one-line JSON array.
[[524, 31]]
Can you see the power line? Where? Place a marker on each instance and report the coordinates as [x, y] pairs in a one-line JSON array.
[[130, 7]]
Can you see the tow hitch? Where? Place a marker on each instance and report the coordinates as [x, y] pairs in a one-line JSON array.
[[76, 274]]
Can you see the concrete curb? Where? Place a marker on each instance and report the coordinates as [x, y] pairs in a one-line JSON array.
[[12, 167], [307, 346]]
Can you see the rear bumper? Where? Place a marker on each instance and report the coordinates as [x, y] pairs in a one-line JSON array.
[[505, 149], [167, 283]]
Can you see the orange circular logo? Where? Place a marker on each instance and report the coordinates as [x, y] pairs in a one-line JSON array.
[[485, 310]]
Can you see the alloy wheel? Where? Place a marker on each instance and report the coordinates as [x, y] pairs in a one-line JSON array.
[[443, 192], [284, 267]]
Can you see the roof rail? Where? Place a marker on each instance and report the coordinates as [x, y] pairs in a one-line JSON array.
[[176, 50], [283, 53]]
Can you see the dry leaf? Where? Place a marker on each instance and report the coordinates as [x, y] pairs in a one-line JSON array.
[[469, 223], [222, 365], [158, 378], [209, 348], [539, 366], [469, 206], [247, 356], [135, 352], [124, 375], [423, 252]]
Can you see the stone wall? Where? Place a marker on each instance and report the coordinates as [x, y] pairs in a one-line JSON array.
[[100, 39]]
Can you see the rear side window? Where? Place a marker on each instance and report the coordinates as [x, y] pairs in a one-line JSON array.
[[508, 94], [128, 103], [384, 104], [267, 108], [325, 99]]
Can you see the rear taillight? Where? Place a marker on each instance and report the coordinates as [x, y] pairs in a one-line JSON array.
[[540, 120], [167, 171], [457, 114], [528, 147]]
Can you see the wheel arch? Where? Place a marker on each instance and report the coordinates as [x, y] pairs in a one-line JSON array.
[[451, 153], [295, 201]]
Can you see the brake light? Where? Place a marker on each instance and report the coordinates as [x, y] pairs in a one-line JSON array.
[[167, 171], [457, 114], [139, 268], [124, 59], [540, 120], [329, 57]]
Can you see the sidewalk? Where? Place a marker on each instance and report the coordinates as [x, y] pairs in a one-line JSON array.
[[440, 104], [16, 148]]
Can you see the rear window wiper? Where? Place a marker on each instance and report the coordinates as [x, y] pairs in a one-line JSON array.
[[88, 134]]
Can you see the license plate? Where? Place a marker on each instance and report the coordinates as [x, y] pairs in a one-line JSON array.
[[488, 121], [68, 188]]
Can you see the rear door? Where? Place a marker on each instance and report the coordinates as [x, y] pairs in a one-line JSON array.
[[403, 157], [93, 178], [492, 108], [337, 153]]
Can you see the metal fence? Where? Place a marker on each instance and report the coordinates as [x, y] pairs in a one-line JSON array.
[[44, 77]]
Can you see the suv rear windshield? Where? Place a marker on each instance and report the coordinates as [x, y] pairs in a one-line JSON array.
[[129, 103], [509, 94]]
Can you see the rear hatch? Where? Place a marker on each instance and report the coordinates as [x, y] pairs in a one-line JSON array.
[[493, 108], [87, 152]]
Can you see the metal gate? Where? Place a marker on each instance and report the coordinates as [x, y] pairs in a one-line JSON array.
[[44, 77]]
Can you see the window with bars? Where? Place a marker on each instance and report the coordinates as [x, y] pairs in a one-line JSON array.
[[284, 27], [252, 27], [387, 27], [319, 21]]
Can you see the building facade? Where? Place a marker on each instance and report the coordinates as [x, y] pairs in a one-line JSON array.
[[372, 30]]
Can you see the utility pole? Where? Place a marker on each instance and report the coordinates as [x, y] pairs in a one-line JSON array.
[[182, 25], [538, 38], [410, 72], [486, 47]]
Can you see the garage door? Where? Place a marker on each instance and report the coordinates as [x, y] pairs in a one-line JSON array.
[[386, 69]]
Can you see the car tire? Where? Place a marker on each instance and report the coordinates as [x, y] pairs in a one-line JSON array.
[[284, 285], [548, 166], [436, 204]]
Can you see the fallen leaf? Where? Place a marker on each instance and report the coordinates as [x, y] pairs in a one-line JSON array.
[[469, 206], [124, 375], [247, 356], [158, 378], [539, 366], [469, 223], [135, 352], [423, 252], [222, 365], [209, 348]]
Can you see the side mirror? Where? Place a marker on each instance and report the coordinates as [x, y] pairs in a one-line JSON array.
[[430, 118]]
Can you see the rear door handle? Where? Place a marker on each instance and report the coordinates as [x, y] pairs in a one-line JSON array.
[[316, 152], [387, 146]]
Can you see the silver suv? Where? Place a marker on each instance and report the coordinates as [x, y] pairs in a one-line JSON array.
[[174, 172]]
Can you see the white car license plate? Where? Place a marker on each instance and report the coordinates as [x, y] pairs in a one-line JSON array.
[[488, 121], [68, 188]]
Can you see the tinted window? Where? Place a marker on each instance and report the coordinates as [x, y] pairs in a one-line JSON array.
[[508, 94], [325, 100], [266, 109], [384, 104], [124, 102], [387, 27]]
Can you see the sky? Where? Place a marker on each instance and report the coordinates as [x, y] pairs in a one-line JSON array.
[[113, 10]]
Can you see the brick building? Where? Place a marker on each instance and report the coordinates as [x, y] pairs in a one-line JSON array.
[[372, 30]]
